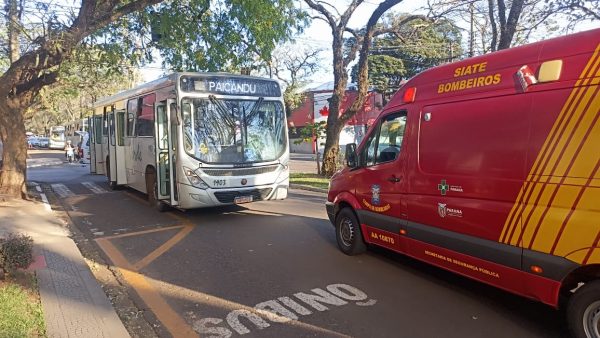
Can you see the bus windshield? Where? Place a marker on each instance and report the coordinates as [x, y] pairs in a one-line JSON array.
[[57, 135], [230, 131]]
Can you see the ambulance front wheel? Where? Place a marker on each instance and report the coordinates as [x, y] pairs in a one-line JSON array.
[[348, 234], [583, 311]]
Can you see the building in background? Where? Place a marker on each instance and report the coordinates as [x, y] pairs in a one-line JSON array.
[[315, 108]]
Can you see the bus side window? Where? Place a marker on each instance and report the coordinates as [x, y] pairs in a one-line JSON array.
[[98, 129], [107, 110], [121, 128], [144, 124], [132, 106]]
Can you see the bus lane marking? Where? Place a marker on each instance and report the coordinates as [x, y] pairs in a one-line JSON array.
[[142, 263], [96, 189], [62, 190], [286, 310], [143, 232], [174, 323]]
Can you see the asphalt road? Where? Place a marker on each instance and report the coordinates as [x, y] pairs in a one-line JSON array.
[[272, 269]]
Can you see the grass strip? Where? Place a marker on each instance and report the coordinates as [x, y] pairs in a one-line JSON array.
[[20, 309], [312, 180]]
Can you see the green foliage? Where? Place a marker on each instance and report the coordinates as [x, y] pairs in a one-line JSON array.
[[91, 73], [15, 252], [292, 97], [21, 316], [203, 35], [413, 48], [312, 130], [386, 72]]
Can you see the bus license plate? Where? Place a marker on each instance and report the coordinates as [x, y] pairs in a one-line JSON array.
[[242, 199]]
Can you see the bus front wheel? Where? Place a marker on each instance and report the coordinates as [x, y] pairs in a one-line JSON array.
[[348, 234], [152, 191], [583, 311]]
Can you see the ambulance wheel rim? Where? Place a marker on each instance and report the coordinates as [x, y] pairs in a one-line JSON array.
[[591, 320], [347, 231]]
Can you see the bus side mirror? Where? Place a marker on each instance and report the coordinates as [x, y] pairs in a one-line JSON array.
[[351, 158]]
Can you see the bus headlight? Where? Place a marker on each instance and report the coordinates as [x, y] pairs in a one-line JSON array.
[[194, 179]]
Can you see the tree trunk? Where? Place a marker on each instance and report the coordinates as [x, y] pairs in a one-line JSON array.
[[331, 152], [510, 27], [340, 76], [14, 156]]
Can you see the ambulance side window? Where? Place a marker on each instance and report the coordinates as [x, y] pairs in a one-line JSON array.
[[391, 134], [368, 153], [383, 145]]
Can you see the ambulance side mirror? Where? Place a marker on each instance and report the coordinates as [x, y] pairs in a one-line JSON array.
[[351, 158]]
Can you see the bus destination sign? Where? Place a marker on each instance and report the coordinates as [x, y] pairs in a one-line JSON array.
[[230, 86]]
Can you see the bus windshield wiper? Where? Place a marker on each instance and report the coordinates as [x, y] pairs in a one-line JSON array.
[[223, 111], [254, 110]]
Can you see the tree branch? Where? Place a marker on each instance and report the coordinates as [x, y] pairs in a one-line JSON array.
[[348, 13], [363, 64], [493, 24], [320, 9]]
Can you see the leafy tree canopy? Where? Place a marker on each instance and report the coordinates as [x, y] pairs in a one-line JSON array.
[[203, 35], [409, 49]]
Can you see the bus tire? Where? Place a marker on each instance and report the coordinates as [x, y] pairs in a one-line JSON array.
[[347, 233], [583, 311], [152, 191]]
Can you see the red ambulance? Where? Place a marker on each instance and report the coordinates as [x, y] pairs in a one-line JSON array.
[[489, 167]]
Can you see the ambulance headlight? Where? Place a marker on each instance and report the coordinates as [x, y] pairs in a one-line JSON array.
[[194, 179]]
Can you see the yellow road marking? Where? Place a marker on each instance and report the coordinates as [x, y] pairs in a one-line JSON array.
[[137, 233], [174, 323], [209, 300], [163, 248]]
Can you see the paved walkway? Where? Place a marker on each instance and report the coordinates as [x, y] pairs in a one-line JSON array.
[[73, 302]]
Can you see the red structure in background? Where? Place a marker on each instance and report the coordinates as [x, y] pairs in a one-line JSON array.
[[315, 108], [305, 114]]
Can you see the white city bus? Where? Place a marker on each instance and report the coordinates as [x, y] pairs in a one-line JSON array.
[[194, 140], [57, 137]]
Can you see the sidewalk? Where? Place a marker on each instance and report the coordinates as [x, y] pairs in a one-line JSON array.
[[73, 302]]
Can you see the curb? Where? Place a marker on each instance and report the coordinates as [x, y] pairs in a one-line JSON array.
[[307, 187]]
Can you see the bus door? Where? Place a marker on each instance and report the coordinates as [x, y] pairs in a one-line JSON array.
[[121, 169], [164, 143], [98, 154], [92, 148], [112, 150], [174, 139]]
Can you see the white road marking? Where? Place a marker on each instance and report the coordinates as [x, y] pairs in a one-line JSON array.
[[274, 310], [42, 195], [62, 190], [94, 187], [46, 203]]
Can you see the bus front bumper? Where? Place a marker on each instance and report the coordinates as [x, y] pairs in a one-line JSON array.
[[191, 197]]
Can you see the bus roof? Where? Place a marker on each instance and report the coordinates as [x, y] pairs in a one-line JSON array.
[[166, 81]]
